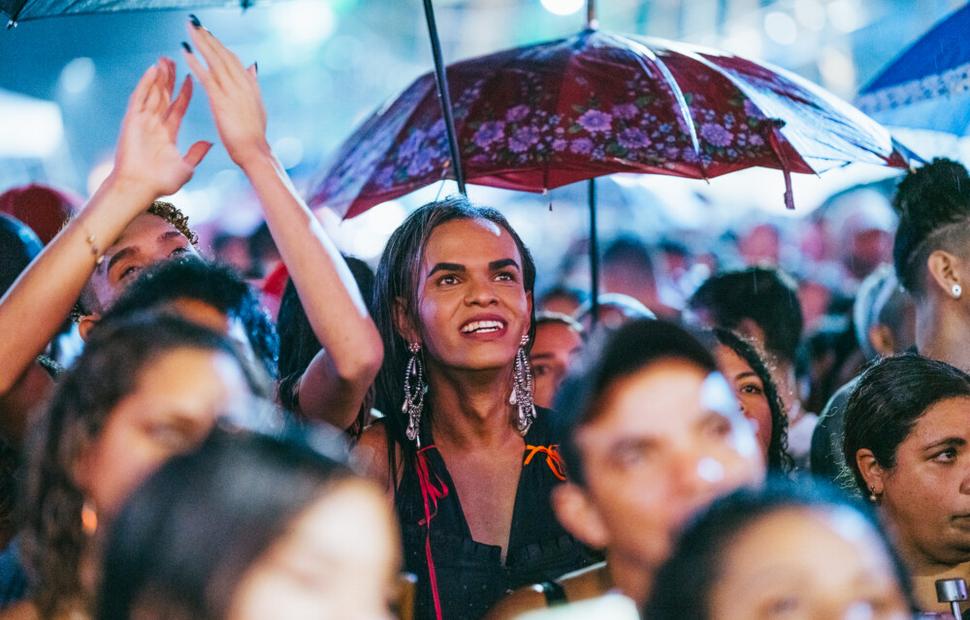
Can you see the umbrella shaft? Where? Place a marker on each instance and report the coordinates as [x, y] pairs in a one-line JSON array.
[[594, 254], [444, 96]]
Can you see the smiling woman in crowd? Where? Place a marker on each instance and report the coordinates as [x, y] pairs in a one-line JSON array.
[[469, 458], [747, 372]]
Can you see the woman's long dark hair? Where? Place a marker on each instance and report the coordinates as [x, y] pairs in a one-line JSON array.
[[886, 403], [779, 461], [682, 587], [299, 345], [187, 536], [397, 279], [107, 371]]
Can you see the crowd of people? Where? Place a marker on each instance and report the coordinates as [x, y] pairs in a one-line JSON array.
[[438, 439]]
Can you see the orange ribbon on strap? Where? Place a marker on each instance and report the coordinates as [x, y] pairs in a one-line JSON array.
[[553, 459]]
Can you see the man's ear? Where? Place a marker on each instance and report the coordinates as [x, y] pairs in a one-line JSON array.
[[882, 340], [86, 323], [403, 323], [944, 269], [872, 472], [578, 514]]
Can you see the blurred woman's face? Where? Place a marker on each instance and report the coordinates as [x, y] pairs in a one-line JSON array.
[[804, 563], [750, 391], [472, 304], [320, 569], [175, 403], [926, 494]]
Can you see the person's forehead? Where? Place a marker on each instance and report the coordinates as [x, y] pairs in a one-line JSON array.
[[944, 417], [145, 226], [730, 362], [657, 400], [454, 241], [821, 533]]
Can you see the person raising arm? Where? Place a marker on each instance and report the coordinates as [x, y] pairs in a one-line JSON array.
[[147, 165], [336, 381]]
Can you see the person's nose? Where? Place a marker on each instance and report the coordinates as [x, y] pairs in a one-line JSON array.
[[697, 475], [965, 479], [480, 292]]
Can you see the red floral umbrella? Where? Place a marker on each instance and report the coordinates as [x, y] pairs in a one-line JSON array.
[[550, 114]]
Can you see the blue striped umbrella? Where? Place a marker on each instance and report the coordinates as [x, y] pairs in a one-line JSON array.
[[928, 85]]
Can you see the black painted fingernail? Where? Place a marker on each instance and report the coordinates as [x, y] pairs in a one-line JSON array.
[[186, 47], [256, 66], [195, 21]]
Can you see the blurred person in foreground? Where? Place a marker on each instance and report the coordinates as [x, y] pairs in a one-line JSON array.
[[783, 552], [248, 527], [145, 388], [652, 435]]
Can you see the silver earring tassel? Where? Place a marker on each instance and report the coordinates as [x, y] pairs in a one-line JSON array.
[[414, 390], [523, 388]]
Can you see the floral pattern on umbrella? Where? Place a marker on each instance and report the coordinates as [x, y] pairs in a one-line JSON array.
[[545, 115]]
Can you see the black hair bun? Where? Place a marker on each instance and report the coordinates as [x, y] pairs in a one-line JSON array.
[[934, 196]]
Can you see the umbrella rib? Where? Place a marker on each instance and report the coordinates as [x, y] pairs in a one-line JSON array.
[[675, 88], [742, 89]]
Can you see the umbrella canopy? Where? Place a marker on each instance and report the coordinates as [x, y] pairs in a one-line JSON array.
[[550, 114], [928, 85], [26, 10]]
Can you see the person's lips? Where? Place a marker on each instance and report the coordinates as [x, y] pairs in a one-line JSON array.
[[484, 327]]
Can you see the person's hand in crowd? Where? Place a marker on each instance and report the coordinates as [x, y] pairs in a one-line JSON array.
[[234, 96], [147, 165], [147, 156], [333, 386]]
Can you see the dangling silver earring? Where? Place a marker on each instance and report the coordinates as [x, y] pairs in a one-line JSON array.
[[872, 495], [523, 389], [956, 290], [414, 390]]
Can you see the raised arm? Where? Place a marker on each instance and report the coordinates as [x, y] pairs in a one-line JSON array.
[[147, 165], [335, 383]]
